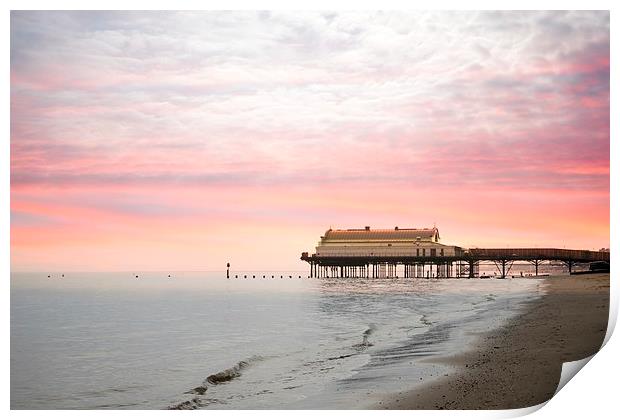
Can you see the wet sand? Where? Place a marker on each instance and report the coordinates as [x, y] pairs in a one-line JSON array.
[[520, 365]]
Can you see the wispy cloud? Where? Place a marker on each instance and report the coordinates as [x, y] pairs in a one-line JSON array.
[[109, 102]]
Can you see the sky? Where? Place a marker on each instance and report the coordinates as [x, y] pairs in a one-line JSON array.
[[186, 140]]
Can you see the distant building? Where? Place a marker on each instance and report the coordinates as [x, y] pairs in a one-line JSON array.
[[395, 242]]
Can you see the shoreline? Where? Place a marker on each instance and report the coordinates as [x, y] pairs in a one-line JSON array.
[[519, 365]]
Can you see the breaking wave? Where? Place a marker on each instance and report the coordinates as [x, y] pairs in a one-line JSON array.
[[217, 378], [230, 373], [365, 343], [192, 404]]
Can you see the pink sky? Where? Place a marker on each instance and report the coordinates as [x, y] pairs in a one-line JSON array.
[[182, 141]]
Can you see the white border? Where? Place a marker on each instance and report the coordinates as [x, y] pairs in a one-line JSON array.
[[591, 394], [308, 5]]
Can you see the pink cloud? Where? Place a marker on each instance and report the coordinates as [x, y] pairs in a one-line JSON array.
[[130, 146]]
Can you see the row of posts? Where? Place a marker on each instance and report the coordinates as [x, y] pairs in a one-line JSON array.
[[388, 270]]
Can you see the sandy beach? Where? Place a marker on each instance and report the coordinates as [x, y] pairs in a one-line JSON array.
[[519, 365]]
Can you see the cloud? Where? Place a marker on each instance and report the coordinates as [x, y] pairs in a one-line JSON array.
[[287, 100]]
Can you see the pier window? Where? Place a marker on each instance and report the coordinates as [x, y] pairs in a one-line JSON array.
[[433, 252], [441, 252], [424, 252]]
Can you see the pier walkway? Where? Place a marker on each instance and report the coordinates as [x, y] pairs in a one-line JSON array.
[[464, 264]]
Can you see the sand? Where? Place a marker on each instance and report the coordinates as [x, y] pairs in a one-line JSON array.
[[519, 365]]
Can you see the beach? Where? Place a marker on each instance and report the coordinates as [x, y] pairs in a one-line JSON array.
[[519, 365]]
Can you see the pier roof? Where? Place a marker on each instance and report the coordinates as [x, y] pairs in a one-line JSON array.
[[411, 234]]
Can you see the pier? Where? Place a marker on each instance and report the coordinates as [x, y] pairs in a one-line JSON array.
[[417, 253]]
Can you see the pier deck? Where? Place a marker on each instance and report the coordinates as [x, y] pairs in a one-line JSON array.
[[464, 264]]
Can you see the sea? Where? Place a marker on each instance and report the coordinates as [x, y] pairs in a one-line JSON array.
[[257, 340]]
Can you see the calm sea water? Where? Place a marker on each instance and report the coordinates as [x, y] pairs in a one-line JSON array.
[[111, 340]]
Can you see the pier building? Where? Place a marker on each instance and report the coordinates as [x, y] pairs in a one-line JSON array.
[[383, 242]]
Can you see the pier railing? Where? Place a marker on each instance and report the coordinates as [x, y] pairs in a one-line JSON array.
[[468, 258], [528, 254]]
